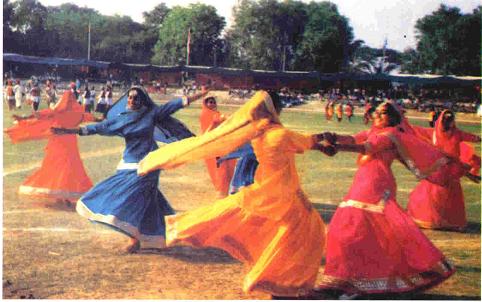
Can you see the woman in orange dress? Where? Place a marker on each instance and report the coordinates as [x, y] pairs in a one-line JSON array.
[[220, 175], [329, 110], [349, 111], [339, 112], [438, 206], [270, 225], [62, 174]]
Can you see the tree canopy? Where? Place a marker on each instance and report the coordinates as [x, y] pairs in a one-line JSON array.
[[448, 42], [205, 28], [266, 34]]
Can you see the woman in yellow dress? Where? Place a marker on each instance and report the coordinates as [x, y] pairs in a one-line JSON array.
[[270, 225]]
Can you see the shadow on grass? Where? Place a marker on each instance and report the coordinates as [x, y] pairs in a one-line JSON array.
[[466, 269], [472, 228], [419, 296], [326, 210], [193, 255], [399, 296]]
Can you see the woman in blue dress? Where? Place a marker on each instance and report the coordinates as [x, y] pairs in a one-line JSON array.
[[125, 201]]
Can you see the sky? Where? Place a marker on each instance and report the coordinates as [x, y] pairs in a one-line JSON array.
[[372, 21]]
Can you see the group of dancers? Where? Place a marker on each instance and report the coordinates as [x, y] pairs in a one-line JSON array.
[[265, 220]]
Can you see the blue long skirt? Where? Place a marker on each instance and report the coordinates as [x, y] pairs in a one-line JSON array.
[[130, 204]]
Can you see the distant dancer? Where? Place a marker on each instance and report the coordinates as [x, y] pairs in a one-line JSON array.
[[329, 110], [339, 112], [442, 206], [62, 176], [19, 91], [221, 175], [10, 95], [349, 111]]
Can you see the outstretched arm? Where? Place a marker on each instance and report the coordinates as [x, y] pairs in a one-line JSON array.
[[358, 148], [60, 130], [176, 104], [332, 138], [472, 177], [197, 96]]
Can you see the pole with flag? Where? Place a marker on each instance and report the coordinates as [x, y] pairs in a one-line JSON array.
[[88, 45], [188, 46], [383, 54]]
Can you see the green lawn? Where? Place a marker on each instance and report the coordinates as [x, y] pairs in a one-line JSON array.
[[29, 260]]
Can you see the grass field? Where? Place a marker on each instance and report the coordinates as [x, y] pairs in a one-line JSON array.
[[50, 252]]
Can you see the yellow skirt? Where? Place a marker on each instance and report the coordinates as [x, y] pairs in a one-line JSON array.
[[282, 256]]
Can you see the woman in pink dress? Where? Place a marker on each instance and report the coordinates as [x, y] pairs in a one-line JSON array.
[[442, 206], [373, 246]]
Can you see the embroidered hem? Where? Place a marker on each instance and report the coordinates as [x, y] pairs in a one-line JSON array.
[[438, 273], [279, 290], [430, 225], [147, 241], [49, 193]]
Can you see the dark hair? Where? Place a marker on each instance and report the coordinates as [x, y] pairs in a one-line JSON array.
[[276, 100], [449, 116], [394, 116], [209, 98], [141, 96]]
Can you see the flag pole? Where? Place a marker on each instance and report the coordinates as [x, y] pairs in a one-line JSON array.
[[88, 45], [188, 46]]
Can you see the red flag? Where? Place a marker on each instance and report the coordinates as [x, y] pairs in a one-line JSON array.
[[188, 46]]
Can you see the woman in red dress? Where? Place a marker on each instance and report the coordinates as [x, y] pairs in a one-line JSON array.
[[438, 206], [62, 174], [220, 176], [373, 246]]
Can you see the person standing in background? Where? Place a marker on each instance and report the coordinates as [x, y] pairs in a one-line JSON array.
[[19, 91]]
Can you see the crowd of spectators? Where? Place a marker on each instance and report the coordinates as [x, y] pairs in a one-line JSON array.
[[423, 100]]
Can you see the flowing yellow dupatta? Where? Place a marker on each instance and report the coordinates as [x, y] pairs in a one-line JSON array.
[[245, 124]]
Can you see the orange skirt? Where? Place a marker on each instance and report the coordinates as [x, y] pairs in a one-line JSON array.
[[282, 257], [62, 174], [221, 176]]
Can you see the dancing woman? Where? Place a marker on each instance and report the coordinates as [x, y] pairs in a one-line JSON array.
[[270, 225], [125, 201], [438, 206], [373, 247], [62, 175], [329, 109], [221, 173]]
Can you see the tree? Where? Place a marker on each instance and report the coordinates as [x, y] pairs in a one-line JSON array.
[[152, 22], [326, 39], [411, 61], [155, 17], [205, 27], [9, 38], [68, 30], [113, 38], [28, 23], [268, 34], [265, 34], [448, 42]]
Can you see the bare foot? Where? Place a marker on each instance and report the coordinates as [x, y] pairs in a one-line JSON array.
[[133, 247]]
